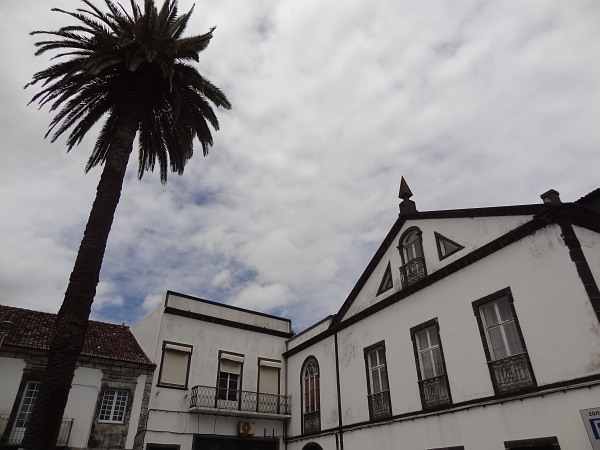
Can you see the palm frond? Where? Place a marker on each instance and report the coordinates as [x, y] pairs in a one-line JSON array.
[[129, 66]]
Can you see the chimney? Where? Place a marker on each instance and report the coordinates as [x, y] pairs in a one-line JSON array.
[[407, 206], [551, 196]]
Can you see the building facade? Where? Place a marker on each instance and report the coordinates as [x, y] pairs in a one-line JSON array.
[[107, 405], [220, 382], [473, 329], [469, 329]]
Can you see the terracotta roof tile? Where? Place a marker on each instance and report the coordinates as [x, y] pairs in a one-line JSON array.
[[33, 329]]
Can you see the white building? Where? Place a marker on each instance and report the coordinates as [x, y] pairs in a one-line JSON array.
[[473, 329], [220, 381], [107, 404], [469, 329]]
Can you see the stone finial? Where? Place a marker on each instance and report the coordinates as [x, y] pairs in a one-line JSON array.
[[407, 206], [551, 196]]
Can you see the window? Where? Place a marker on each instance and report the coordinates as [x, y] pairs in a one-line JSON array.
[[175, 365], [229, 378], [377, 382], [503, 343], [268, 386], [113, 406], [25, 408], [445, 246], [433, 382], [411, 250], [386, 282], [311, 418]]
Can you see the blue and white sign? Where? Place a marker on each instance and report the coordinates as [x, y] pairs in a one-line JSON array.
[[591, 421]]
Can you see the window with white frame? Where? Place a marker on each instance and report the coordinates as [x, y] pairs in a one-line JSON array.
[[433, 382], [500, 329], [430, 355], [114, 403], [377, 378], [175, 365], [504, 347], [378, 370]]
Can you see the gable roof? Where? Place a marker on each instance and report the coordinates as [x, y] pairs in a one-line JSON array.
[[34, 329], [497, 211]]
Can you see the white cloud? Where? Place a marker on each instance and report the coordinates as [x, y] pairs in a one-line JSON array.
[[476, 103]]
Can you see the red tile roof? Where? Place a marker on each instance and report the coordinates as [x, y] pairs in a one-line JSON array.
[[33, 329]]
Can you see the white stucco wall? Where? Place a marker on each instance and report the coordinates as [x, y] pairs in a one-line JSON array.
[[309, 333], [228, 313], [81, 404], [484, 428], [471, 233], [324, 353], [169, 418], [135, 410], [146, 332], [11, 371], [560, 330]]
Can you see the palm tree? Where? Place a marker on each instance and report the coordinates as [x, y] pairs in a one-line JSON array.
[[135, 70]]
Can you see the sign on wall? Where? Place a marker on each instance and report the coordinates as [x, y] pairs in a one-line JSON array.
[[591, 421]]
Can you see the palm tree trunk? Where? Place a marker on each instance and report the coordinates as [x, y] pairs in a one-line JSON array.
[[72, 320]]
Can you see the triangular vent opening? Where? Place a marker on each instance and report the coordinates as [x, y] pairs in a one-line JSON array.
[[445, 246], [386, 282]]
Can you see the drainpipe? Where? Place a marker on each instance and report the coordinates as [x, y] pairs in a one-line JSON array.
[[339, 397]]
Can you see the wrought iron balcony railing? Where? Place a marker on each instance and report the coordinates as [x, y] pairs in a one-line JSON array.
[[413, 271], [435, 392], [15, 435], [312, 422], [380, 405], [511, 374], [237, 400]]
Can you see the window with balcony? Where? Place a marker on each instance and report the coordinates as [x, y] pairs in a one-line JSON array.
[[311, 400], [413, 263], [114, 403], [175, 365], [229, 379], [268, 385], [377, 382], [503, 343], [431, 370]]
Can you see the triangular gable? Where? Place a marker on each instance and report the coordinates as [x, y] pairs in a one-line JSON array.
[[359, 298], [445, 246]]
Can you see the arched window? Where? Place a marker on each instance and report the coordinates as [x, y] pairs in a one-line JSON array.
[[311, 403], [411, 250]]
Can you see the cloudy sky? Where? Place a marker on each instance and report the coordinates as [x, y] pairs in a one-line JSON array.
[[476, 102]]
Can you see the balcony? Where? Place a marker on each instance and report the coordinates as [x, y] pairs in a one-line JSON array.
[[312, 422], [434, 392], [15, 436], [511, 374], [380, 406], [209, 399], [413, 271]]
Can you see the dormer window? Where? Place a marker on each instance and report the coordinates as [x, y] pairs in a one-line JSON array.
[[411, 250]]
